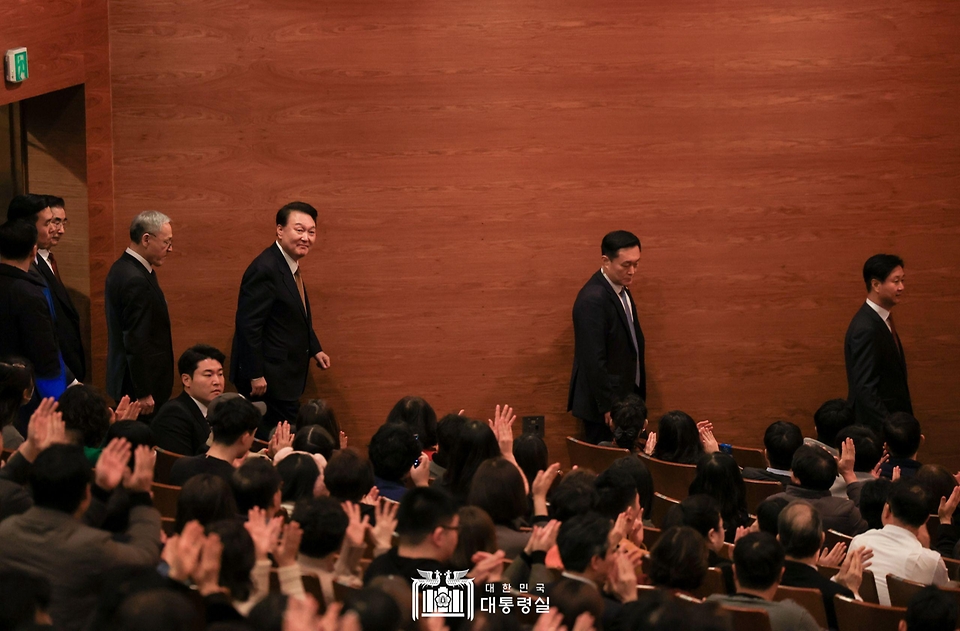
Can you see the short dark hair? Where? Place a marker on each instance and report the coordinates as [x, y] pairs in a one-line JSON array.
[[191, 358], [134, 432], [581, 538], [324, 524], [830, 418], [880, 266], [319, 412], [393, 450], [700, 512], [932, 609], [642, 479], [54, 201], [377, 610], [299, 473], [237, 559], [22, 597], [617, 240], [206, 498], [814, 467], [232, 418], [800, 529], [313, 439], [348, 475], [867, 444], [26, 207], [15, 379], [629, 415], [418, 415], [901, 432], [908, 502], [531, 455], [679, 559], [574, 495], [938, 482], [781, 441], [423, 510], [283, 215], [498, 489], [757, 560], [768, 514], [59, 478], [617, 492], [86, 414], [254, 484], [17, 239], [873, 497], [573, 598]]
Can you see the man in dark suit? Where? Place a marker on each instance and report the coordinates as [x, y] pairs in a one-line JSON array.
[[139, 343], [780, 441], [274, 339], [800, 531], [608, 361], [876, 368], [181, 424]]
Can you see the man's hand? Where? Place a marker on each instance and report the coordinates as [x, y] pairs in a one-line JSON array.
[[622, 579], [875, 472], [258, 386], [288, 546], [141, 478], [46, 428], [487, 567], [851, 572], [608, 419], [323, 360], [541, 486], [182, 552], [356, 525], [833, 558], [948, 505], [112, 464], [420, 474], [543, 537], [127, 411], [281, 438], [207, 574], [386, 517], [263, 531], [146, 405], [848, 456], [372, 497]]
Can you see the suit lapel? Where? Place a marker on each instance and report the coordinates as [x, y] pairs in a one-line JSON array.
[[288, 279], [612, 295], [151, 277], [888, 341], [56, 287]]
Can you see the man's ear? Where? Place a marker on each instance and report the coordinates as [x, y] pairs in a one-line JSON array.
[[794, 479], [186, 380]]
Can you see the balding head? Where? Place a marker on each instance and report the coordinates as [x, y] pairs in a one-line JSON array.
[[800, 530]]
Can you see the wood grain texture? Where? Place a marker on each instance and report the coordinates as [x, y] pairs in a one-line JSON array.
[[467, 158]]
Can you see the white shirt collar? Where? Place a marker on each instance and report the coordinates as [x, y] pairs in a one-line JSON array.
[[294, 266], [883, 313], [142, 260], [45, 254], [616, 288], [579, 577], [780, 471], [203, 408]]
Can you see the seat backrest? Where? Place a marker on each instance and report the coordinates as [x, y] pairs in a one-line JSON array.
[[712, 584], [832, 538], [933, 527], [650, 536], [745, 619], [659, 508], [901, 590], [759, 490], [161, 468], [953, 568], [853, 615], [868, 588], [341, 592], [311, 585], [748, 457], [669, 478], [808, 598], [593, 457], [165, 498]]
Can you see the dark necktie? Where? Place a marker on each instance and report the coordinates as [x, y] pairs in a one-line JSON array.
[[633, 332], [53, 266], [893, 330]]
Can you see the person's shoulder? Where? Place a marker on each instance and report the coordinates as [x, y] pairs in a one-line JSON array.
[[595, 291]]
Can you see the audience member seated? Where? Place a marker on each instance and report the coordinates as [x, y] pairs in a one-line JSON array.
[[719, 477], [302, 479], [814, 472], [313, 439], [931, 609], [574, 598], [45, 428], [873, 497], [831, 417], [678, 439], [678, 561], [896, 547], [937, 482], [24, 601], [318, 412], [780, 442], [477, 534], [768, 512], [376, 610], [902, 440], [869, 450], [574, 495], [618, 493], [497, 488], [448, 433], [531, 455], [397, 459], [348, 476], [256, 484], [702, 513], [642, 480], [629, 416], [234, 422], [49, 540], [181, 424], [476, 443], [418, 415], [87, 418], [16, 389], [802, 537], [656, 610], [757, 568], [205, 498]]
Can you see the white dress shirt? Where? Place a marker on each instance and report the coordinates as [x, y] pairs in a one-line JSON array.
[[883, 313], [897, 551], [142, 260], [294, 266]]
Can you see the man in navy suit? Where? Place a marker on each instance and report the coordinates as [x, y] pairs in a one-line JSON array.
[[876, 368], [608, 361], [139, 342], [181, 424], [274, 339]]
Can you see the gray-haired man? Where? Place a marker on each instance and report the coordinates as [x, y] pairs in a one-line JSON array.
[[139, 344]]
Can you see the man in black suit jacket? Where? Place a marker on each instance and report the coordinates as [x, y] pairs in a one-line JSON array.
[[800, 531], [780, 441], [608, 361], [274, 338], [876, 368], [181, 424], [139, 342]]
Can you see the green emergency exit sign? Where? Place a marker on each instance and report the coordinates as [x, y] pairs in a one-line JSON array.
[[16, 65]]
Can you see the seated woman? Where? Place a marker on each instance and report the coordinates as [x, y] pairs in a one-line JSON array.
[[678, 562], [719, 477], [302, 477], [498, 489], [680, 439]]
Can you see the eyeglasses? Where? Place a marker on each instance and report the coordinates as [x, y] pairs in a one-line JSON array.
[[57, 221], [167, 243]]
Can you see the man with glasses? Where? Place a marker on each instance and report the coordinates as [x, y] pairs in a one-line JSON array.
[[139, 343]]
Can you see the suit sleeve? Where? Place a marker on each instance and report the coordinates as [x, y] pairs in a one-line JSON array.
[[142, 541], [591, 348], [139, 329], [865, 375], [173, 430], [257, 293], [314, 342]]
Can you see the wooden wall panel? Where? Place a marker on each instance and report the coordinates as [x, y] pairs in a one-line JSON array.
[[467, 158]]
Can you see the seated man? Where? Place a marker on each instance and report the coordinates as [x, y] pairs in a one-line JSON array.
[[49, 539], [930, 609], [901, 433], [256, 484], [757, 568], [814, 472], [829, 419], [394, 451], [780, 442], [234, 421], [896, 547], [181, 424], [868, 452], [801, 535]]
